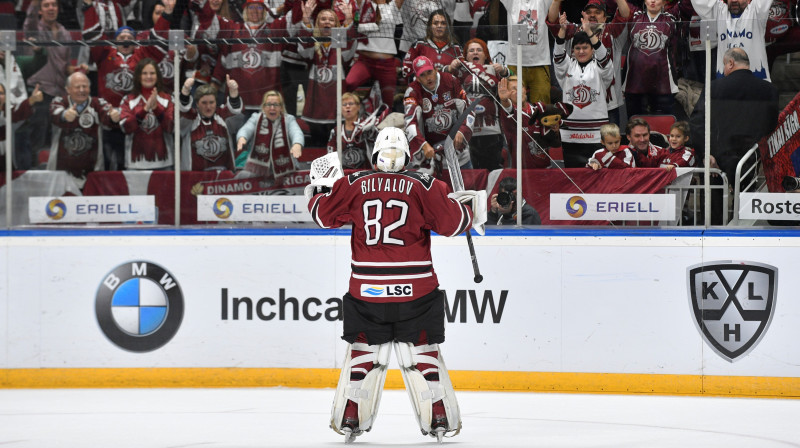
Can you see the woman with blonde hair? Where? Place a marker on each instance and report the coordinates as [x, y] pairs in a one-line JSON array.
[[358, 133], [271, 141]]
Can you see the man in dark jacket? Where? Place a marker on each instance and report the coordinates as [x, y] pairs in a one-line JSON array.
[[503, 210], [744, 109]]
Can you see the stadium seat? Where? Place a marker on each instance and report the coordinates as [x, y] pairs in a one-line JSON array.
[[658, 123]]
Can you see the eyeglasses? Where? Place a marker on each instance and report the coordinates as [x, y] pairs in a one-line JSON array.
[[349, 104], [268, 105]]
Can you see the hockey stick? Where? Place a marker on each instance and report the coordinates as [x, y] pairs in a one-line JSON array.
[[458, 181]]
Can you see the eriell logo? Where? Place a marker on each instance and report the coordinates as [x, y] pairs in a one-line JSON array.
[[733, 303], [139, 306]]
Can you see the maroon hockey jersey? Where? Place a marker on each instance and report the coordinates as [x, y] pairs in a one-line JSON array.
[[114, 72], [651, 54], [256, 67], [19, 112], [205, 142], [392, 215], [440, 56], [650, 158], [682, 157], [148, 139], [614, 160], [480, 83], [76, 146], [429, 116]]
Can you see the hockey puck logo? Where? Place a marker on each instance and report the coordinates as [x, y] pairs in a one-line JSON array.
[[139, 306]]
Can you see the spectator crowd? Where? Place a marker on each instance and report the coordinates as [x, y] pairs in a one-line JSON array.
[[589, 68]]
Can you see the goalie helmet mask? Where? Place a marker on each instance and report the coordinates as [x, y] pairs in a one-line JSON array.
[[391, 153]]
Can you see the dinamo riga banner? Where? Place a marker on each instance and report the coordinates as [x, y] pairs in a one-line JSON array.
[[778, 150]]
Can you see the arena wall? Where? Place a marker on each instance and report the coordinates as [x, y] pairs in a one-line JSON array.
[[586, 310]]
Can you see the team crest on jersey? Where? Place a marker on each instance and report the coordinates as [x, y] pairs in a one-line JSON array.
[[251, 59], [149, 123], [583, 95], [733, 304], [211, 147], [650, 40], [353, 156], [120, 80], [441, 120], [167, 68], [446, 97], [324, 75], [77, 143]]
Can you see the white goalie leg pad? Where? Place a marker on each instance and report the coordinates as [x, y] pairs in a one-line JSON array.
[[366, 392], [424, 393]]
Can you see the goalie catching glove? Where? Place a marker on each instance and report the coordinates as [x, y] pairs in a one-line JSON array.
[[477, 201], [324, 172]]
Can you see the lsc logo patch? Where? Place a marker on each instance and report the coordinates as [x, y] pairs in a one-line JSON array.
[[139, 306]]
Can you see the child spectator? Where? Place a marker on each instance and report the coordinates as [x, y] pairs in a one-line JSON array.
[[611, 155], [679, 154]]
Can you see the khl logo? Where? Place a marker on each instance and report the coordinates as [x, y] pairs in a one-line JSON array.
[[733, 304], [139, 306]]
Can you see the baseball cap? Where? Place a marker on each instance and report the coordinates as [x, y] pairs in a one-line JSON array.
[[422, 64], [599, 4]]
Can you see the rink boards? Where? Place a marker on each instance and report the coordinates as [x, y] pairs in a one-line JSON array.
[[588, 310]]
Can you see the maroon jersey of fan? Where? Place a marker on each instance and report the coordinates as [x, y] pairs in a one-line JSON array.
[[393, 215]]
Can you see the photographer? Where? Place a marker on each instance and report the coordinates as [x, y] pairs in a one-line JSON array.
[[504, 206]]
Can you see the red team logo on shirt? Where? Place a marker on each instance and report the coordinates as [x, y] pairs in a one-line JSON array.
[[582, 96]]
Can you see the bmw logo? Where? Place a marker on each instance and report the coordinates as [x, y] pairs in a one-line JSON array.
[[139, 306]]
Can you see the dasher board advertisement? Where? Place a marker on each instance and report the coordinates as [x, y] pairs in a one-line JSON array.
[[253, 208], [80, 209]]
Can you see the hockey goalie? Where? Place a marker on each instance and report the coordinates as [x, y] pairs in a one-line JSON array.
[[393, 301]]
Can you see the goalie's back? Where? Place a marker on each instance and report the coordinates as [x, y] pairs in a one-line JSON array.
[[392, 215]]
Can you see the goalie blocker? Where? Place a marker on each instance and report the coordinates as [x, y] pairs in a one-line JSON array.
[[393, 298]]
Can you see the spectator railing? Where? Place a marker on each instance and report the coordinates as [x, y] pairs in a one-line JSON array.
[[748, 179]]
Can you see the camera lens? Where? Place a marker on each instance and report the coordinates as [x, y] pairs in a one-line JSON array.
[[789, 183], [504, 198]]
